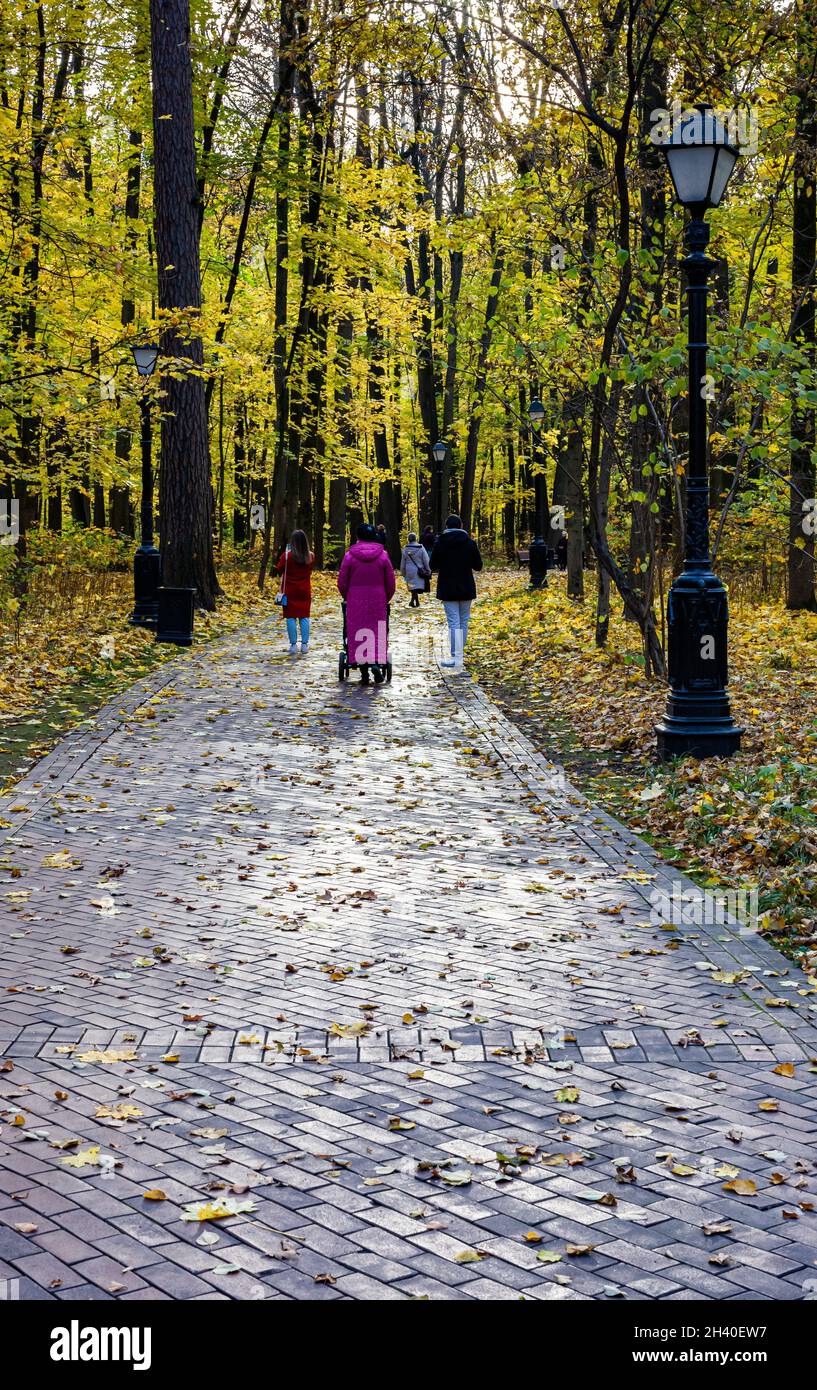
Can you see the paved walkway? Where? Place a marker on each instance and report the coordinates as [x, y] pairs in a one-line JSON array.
[[360, 963]]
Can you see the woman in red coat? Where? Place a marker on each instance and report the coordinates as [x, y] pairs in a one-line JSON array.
[[295, 569]]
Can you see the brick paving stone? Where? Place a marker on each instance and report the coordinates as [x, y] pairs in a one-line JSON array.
[[14, 1246], [750, 1297], [173, 1280], [297, 850], [489, 1290], [46, 1270], [84, 1293], [108, 1274], [652, 1286], [89, 1227], [424, 1286], [292, 1283], [200, 1261], [362, 1287], [63, 1246], [129, 1251], [48, 1203], [387, 1271], [335, 1220], [553, 1293], [28, 1290], [446, 1271], [761, 1283], [147, 1295]]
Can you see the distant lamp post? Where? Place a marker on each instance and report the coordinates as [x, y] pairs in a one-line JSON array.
[[536, 414], [698, 719], [145, 356], [440, 453], [538, 551], [147, 565]]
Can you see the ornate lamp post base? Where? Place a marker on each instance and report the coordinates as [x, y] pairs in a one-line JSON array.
[[700, 732], [698, 719], [147, 576]]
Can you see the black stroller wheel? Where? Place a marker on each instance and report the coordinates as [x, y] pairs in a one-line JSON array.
[[388, 670], [343, 668]]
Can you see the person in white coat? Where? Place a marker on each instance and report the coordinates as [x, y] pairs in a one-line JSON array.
[[415, 569]]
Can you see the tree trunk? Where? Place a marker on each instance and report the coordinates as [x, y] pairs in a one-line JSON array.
[[602, 509], [573, 465], [800, 578], [284, 124], [121, 511], [338, 487], [455, 262], [723, 463], [376, 375], [337, 522], [240, 492], [469, 471], [185, 494], [43, 125], [509, 510], [647, 302]]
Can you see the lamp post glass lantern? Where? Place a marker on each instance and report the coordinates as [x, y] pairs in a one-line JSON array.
[[700, 159], [145, 356], [536, 413], [147, 565], [698, 719]]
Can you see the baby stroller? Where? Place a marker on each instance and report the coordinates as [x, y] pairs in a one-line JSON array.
[[379, 671]]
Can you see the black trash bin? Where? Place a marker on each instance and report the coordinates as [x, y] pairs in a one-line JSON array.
[[175, 616]]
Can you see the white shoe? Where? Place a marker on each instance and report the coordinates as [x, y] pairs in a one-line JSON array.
[[293, 650], [450, 662], [305, 649]]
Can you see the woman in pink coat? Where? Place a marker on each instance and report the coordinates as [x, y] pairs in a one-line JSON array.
[[366, 581]]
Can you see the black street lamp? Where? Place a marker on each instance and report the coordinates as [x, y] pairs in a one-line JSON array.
[[538, 551], [440, 502], [147, 565], [536, 413], [698, 719]]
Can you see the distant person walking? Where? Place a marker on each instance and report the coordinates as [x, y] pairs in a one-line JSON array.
[[454, 559], [366, 582], [295, 566], [415, 569], [428, 540], [382, 535]]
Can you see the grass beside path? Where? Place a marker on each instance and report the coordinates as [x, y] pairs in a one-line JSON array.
[[749, 821]]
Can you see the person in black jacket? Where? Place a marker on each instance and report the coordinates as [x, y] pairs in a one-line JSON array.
[[428, 540], [454, 559]]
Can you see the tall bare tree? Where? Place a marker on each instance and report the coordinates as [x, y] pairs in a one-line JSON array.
[[800, 586], [185, 494]]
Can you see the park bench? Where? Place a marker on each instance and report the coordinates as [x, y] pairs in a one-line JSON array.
[[522, 556]]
